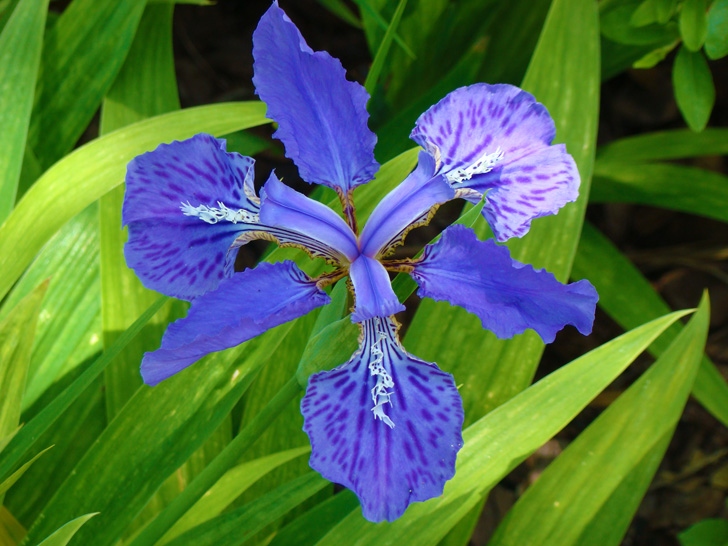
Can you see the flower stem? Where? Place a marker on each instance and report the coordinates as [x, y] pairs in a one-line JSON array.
[[218, 466]]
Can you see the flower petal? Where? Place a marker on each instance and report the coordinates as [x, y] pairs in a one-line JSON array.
[[506, 295], [409, 205], [496, 138], [372, 290], [243, 306], [386, 424], [322, 117], [285, 208], [172, 251]]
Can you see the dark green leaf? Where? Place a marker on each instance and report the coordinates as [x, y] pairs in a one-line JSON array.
[[709, 532], [673, 144], [694, 90]]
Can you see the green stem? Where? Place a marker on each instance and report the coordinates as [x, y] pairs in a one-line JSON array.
[[219, 465]]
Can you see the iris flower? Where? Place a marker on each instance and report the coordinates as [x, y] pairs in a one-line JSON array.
[[385, 424]]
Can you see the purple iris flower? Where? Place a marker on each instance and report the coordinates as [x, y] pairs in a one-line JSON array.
[[386, 424]]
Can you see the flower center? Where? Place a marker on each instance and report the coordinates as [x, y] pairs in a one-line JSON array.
[[484, 165], [212, 215]]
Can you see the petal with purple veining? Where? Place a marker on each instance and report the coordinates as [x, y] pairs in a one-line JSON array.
[[321, 116], [389, 463], [508, 296], [242, 307], [496, 139], [176, 244]]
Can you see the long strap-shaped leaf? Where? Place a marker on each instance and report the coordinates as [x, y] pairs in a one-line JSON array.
[[575, 493], [89, 172], [20, 45], [630, 300]]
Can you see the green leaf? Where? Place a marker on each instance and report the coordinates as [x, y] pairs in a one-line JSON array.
[[629, 298], [69, 325], [694, 23], [238, 525], [645, 14], [716, 40], [378, 63], [8, 482], [655, 56], [146, 86], [686, 189], [337, 7], [17, 331], [92, 170], [366, 5], [332, 346], [709, 532], [228, 488], [694, 89], [571, 493], [673, 144], [502, 439], [27, 436], [64, 535], [308, 528], [74, 77], [616, 16], [20, 45], [11, 531]]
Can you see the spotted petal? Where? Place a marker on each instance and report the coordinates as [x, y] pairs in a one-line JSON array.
[[497, 139], [508, 296], [409, 205], [372, 290], [322, 117], [179, 252], [386, 424], [242, 307]]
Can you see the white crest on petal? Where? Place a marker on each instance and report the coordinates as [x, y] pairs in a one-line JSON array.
[[212, 215], [380, 395], [484, 165]]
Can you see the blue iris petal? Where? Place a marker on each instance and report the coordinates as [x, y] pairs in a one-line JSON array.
[[390, 449], [242, 307], [508, 296], [321, 116]]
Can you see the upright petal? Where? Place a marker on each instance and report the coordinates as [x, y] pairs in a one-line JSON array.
[[411, 204], [322, 117], [386, 424], [242, 307], [496, 139], [185, 203], [285, 208], [372, 290], [506, 295]]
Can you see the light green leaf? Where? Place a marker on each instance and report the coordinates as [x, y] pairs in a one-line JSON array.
[[572, 492], [145, 87], [20, 45], [69, 325], [673, 144], [645, 14], [694, 89], [630, 300], [11, 531], [64, 535], [501, 440], [716, 41], [694, 23], [675, 187], [709, 532], [92, 170], [655, 56], [228, 488], [8, 482], [378, 63], [74, 77], [17, 331], [27, 436], [238, 525]]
